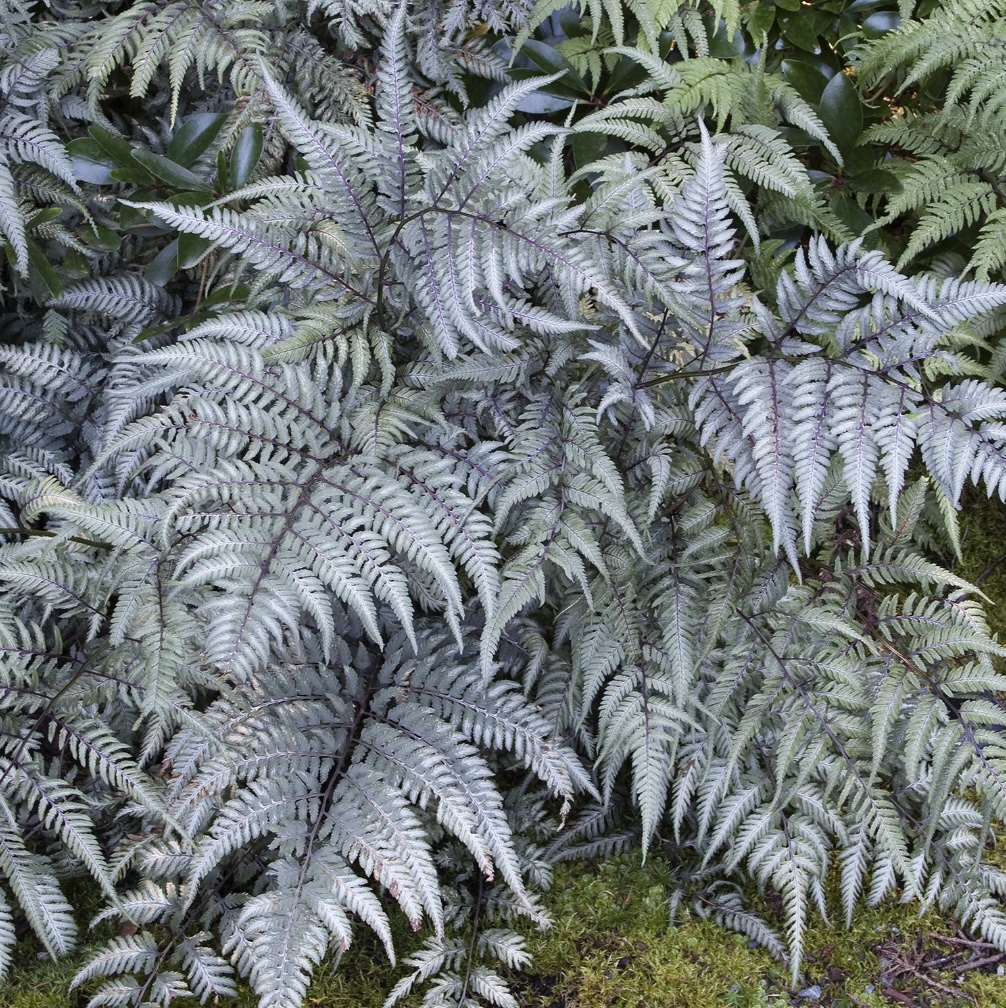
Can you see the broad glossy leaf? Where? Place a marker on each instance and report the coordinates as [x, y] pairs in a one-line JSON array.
[[169, 171], [873, 180], [191, 249], [541, 58], [881, 23], [90, 162], [801, 29], [194, 137], [245, 155], [572, 22], [843, 34], [44, 216], [588, 148], [722, 45], [807, 79], [852, 215], [841, 111], [102, 238], [43, 277], [115, 146], [163, 266], [540, 103], [75, 266], [859, 159], [627, 73], [762, 19]]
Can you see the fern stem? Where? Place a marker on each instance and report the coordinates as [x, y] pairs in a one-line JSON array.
[[48, 534]]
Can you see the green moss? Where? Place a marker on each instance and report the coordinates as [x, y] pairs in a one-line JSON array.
[[363, 981], [983, 545], [611, 947], [37, 983]]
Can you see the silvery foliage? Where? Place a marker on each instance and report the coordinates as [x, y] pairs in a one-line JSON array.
[[481, 512]]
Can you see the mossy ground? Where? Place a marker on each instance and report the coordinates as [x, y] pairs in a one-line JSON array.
[[611, 946], [983, 548]]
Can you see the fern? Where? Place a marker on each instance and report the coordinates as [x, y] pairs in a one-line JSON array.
[[26, 140], [748, 106], [952, 57], [392, 506]]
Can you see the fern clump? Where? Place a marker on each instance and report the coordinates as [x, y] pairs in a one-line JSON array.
[[393, 507], [950, 134]]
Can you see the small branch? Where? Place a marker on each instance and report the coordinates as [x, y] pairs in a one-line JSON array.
[[45, 533], [978, 963], [963, 942]]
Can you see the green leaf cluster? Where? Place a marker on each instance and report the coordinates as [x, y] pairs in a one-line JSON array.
[[944, 80]]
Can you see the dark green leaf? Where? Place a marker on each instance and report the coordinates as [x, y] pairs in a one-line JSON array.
[[135, 174], [820, 178], [873, 180], [163, 266], [169, 171], [844, 34], [194, 137], [44, 216], [859, 159], [90, 162], [801, 29], [223, 172], [75, 266], [540, 103], [156, 330], [541, 58], [852, 215], [762, 20], [226, 295], [572, 22], [723, 45], [881, 23], [191, 249], [796, 137], [841, 111], [588, 148], [808, 82], [245, 155], [627, 73], [44, 280], [112, 144], [128, 216], [102, 238]]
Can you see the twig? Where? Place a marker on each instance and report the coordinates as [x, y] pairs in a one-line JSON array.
[[944, 961], [963, 942], [896, 995], [978, 963]]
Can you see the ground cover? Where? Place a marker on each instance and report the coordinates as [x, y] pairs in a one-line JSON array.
[[611, 946], [653, 561]]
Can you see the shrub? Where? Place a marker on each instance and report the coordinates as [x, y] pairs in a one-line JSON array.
[[399, 497]]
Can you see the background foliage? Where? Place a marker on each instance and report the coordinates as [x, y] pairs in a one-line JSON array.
[[441, 441]]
